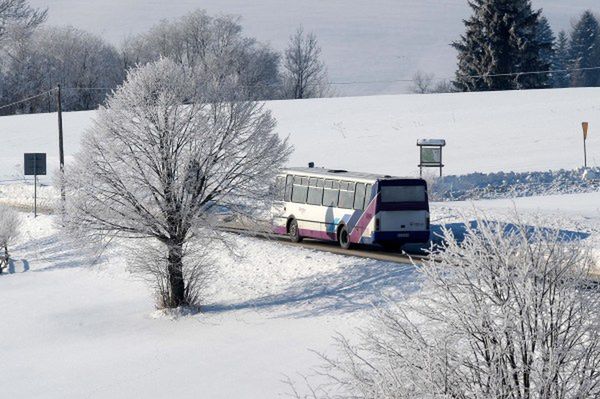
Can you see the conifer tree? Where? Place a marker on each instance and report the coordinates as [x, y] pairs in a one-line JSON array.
[[585, 51], [500, 39], [561, 61], [546, 38]]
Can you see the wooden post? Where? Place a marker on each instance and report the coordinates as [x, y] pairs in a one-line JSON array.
[[35, 195], [61, 152], [585, 126]]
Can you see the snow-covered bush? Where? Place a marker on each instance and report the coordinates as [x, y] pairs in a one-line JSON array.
[[506, 313], [168, 147], [510, 184], [9, 230]]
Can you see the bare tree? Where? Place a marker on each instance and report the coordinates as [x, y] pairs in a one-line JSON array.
[[304, 75], [507, 313], [9, 230], [443, 86], [422, 83], [166, 149], [17, 15], [210, 45], [86, 66]]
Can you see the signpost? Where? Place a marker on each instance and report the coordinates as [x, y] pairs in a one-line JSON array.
[[585, 126], [431, 154], [35, 164]]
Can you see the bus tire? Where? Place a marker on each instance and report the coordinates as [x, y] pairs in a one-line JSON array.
[[344, 238], [294, 231]]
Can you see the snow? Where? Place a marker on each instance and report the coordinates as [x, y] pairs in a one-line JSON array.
[[77, 325], [73, 329], [520, 131]]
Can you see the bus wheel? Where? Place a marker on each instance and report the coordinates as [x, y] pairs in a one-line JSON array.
[[344, 238], [293, 231]]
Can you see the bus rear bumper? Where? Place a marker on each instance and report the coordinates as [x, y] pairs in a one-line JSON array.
[[402, 237]]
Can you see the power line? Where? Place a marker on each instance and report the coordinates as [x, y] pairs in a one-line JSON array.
[[26, 99], [334, 83]]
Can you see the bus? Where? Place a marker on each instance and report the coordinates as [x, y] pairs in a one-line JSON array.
[[350, 207]]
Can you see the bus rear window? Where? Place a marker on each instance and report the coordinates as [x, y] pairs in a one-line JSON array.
[[403, 194]]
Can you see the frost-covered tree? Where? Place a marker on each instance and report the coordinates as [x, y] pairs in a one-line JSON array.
[[18, 18], [501, 38], [86, 66], [304, 75], [168, 147], [561, 61], [10, 224], [18, 21], [422, 83], [508, 312], [210, 45], [585, 50]]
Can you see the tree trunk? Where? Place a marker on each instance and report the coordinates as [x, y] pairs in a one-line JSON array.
[[4, 258], [175, 268]]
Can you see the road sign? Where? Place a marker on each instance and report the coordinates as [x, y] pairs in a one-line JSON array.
[[35, 164], [431, 154]]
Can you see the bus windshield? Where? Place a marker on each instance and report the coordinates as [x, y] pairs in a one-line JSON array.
[[394, 194]]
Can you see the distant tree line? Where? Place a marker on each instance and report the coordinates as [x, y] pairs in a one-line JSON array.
[[35, 58], [507, 45]]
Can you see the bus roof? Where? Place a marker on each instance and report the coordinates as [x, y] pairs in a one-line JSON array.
[[341, 174]]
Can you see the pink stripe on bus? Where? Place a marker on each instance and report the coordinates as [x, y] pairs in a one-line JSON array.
[[364, 221]]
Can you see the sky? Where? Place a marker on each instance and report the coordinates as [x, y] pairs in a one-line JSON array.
[[377, 43]]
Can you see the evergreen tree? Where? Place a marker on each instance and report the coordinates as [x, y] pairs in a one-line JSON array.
[[585, 51], [500, 39], [561, 61], [546, 38]]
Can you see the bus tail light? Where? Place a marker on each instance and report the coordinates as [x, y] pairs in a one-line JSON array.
[[376, 224], [427, 223]]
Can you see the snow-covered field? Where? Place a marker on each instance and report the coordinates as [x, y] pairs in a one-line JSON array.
[[74, 325], [71, 329], [535, 130]]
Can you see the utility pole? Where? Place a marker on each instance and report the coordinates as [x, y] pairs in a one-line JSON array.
[[61, 151]]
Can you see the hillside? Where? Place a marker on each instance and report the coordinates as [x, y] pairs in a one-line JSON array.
[[486, 132], [363, 40]]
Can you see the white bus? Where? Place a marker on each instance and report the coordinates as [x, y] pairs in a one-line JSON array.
[[351, 207]]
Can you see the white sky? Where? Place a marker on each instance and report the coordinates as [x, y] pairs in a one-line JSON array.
[[362, 40]]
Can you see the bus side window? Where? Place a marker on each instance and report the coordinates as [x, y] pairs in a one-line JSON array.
[[315, 195], [300, 189], [346, 195], [289, 181], [368, 193], [313, 182], [330, 194], [359, 196]]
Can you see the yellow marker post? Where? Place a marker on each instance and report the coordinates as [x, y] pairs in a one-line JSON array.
[[585, 126]]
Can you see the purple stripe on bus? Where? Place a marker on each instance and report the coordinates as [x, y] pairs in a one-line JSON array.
[[364, 221], [279, 230], [320, 235]]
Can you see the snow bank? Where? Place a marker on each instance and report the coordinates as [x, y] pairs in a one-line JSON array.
[[518, 131]]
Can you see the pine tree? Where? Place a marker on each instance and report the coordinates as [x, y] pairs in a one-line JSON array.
[[546, 39], [585, 51], [561, 61], [500, 39]]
